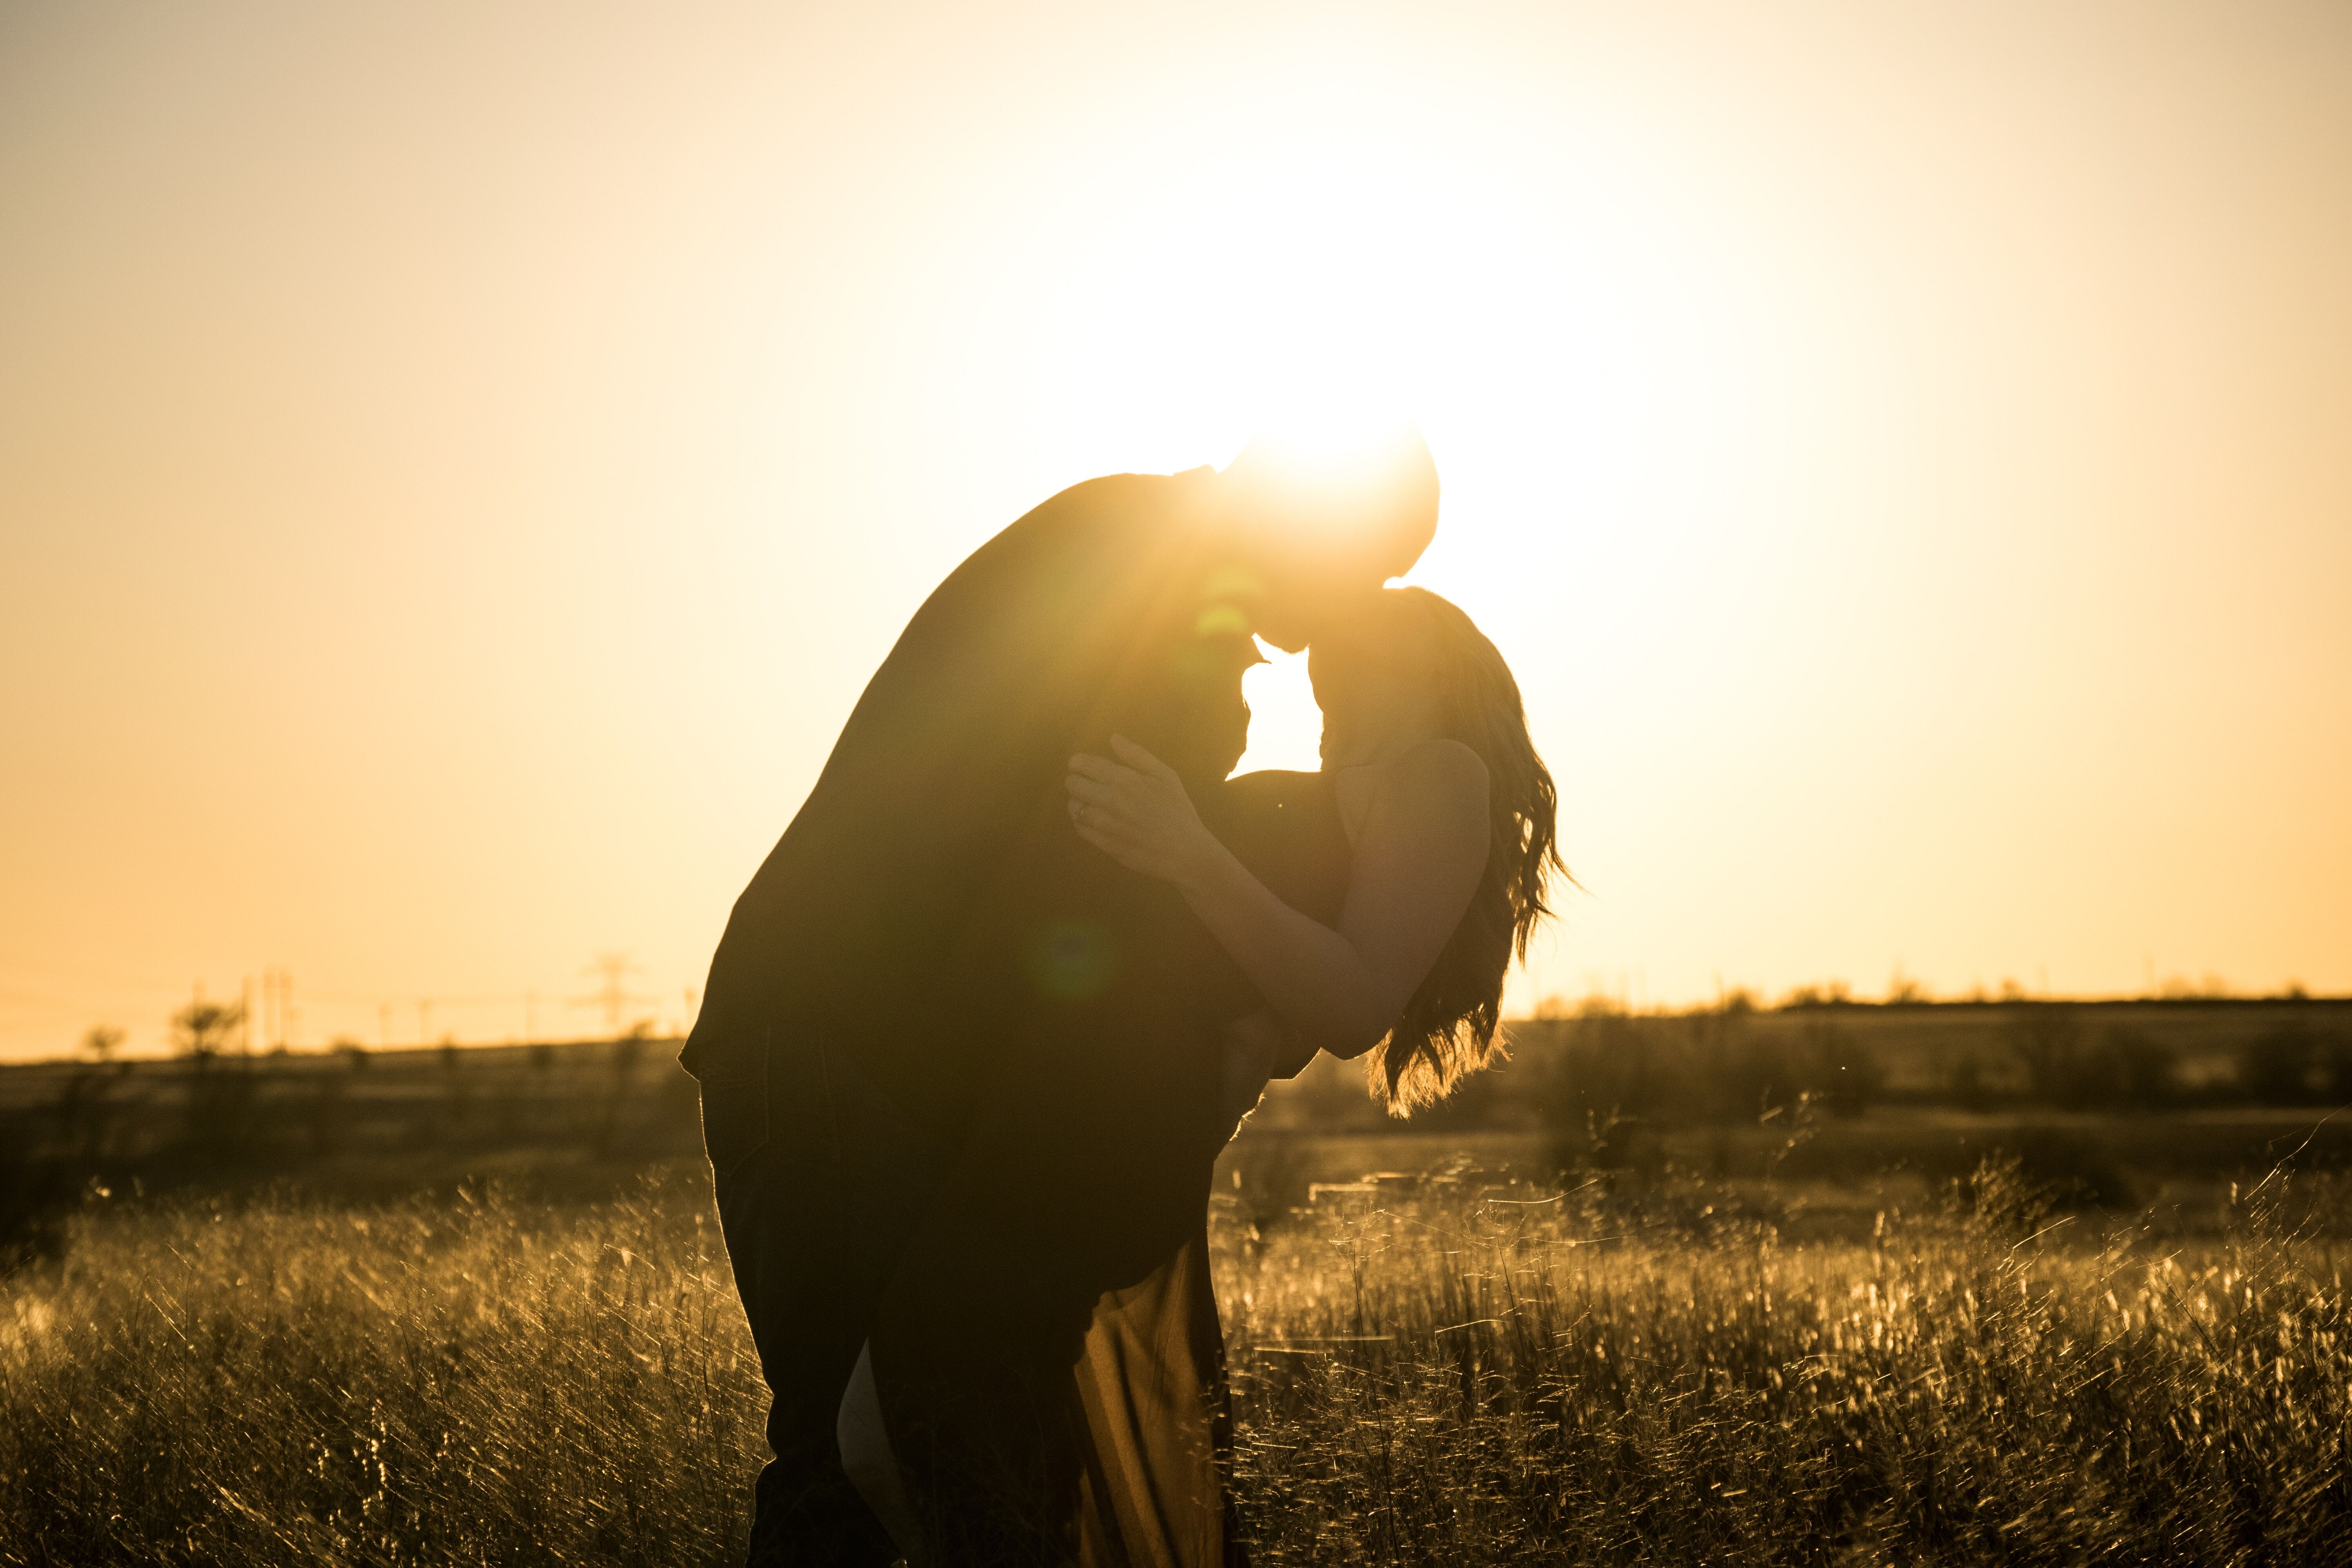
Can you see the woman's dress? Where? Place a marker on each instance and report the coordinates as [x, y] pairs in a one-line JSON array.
[[1047, 1357]]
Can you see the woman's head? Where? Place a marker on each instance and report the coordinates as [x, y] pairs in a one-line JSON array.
[[1408, 662], [1376, 670]]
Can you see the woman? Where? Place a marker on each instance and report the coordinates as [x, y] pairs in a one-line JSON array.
[[1048, 1374], [1448, 815]]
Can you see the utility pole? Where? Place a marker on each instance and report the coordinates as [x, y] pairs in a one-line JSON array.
[[614, 995]]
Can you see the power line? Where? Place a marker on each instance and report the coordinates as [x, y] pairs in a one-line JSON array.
[[614, 995]]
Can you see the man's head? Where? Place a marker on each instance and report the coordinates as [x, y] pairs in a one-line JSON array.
[[1322, 521]]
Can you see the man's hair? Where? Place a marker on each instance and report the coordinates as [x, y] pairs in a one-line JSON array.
[[1371, 492]]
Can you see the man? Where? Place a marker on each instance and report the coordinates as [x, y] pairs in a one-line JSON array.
[[928, 894]]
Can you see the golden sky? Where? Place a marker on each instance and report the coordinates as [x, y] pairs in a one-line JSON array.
[[458, 464]]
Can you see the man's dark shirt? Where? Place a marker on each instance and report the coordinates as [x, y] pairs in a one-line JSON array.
[[930, 902]]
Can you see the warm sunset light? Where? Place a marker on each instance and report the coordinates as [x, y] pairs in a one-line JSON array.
[[629, 931], [456, 471]]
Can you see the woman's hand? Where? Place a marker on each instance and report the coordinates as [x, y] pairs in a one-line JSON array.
[[1138, 813]]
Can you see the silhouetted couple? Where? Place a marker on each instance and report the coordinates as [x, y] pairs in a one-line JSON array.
[[981, 1024]]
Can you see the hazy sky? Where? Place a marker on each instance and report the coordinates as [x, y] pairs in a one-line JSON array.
[[459, 464]]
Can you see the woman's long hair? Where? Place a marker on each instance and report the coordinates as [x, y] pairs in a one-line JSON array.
[[1447, 1029]]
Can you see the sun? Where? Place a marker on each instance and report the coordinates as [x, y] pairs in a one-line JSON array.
[[1557, 318]]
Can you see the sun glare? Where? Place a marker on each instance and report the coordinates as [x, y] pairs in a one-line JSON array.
[[1348, 248], [1350, 254], [1322, 445], [1898, 454]]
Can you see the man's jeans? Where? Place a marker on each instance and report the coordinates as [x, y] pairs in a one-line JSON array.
[[820, 1178]]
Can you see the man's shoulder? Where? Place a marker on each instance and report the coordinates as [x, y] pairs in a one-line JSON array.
[[1115, 521], [1074, 558], [1117, 494]]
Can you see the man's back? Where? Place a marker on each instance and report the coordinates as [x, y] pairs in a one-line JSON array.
[[882, 916]]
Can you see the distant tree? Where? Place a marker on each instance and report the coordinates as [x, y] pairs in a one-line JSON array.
[[219, 1104], [102, 1041], [2180, 988], [201, 1030]]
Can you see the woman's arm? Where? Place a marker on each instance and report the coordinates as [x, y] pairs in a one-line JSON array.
[[1417, 861]]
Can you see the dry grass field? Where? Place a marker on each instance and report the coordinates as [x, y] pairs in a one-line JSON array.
[[1450, 1368]]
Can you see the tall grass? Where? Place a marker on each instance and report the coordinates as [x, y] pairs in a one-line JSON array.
[[459, 1382], [1438, 1376], [1432, 1372]]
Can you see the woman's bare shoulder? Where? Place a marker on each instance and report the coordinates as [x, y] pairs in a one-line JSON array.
[[1436, 780], [1440, 769]]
